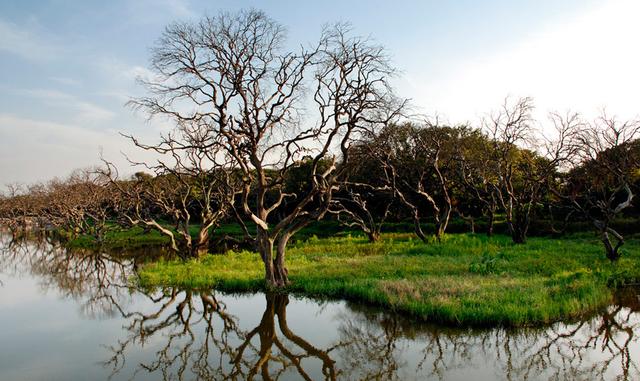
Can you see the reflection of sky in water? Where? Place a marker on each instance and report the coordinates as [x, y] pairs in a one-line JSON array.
[[63, 325]]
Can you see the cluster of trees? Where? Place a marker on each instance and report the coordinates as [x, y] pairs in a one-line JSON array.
[[79, 204], [510, 165], [275, 139]]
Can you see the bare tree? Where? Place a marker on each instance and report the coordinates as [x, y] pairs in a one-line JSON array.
[[79, 204], [600, 185], [355, 205], [435, 150], [525, 160], [418, 162], [191, 181], [17, 209], [365, 198], [477, 176], [230, 75]]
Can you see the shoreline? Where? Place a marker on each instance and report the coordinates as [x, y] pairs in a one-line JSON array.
[[466, 281]]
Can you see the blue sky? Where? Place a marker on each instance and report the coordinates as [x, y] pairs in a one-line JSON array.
[[68, 67]]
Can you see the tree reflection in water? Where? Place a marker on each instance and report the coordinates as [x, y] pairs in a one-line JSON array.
[[377, 346], [601, 348], [96, 280], [203, 341], [182, 319], [193, 334]]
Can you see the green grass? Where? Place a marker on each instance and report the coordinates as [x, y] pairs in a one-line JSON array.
[[465, 280], [136, 237], [132, 238]]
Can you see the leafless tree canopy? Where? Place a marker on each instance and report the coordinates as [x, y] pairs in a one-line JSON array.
[[600, 186], [228, 82]]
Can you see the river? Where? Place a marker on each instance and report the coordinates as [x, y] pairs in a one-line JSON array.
[[74, 315]]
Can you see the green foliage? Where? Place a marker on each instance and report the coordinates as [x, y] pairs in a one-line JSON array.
[[487, 264], [132, 238], [465, 280]]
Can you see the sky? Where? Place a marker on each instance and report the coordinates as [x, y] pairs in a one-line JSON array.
[[68, 67]]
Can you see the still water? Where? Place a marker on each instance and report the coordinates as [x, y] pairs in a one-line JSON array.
[[74, 316]]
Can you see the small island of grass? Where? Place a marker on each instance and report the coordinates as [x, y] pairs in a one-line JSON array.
[[466, 280]]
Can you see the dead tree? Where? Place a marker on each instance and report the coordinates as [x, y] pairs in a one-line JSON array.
[[17, 209], [246, 92], [525, 160], [193, 187], [355, 204], [364, 198], [435, 147], [417, 161], [600, 184], [81, 204], [477, 176]]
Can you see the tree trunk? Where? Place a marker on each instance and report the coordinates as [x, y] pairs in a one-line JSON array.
[[518, 227], [276, 273], [490, 224], [439, 232], [612, 252], [470, 220], [442, 223], [201, 246], [281, 273], [518, 234], [418, 228], [373, 236], [265, 247]]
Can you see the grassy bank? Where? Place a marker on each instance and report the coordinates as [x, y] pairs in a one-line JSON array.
[[465, 280], [117, 239], [123, 238], [136, 237]]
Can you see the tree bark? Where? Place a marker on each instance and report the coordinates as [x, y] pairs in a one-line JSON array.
[[490, 224], [373, 236], [265, 247], [612, 251], [201, 246], [442, 223], [418, 228], [281, 273]]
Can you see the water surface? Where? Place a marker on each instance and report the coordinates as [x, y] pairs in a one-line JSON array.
[[72, 315]]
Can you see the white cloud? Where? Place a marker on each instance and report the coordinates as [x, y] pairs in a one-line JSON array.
[[154, 11], [79, 111], [66, 81], [120, 96], [138, 72], [179, 8], [584, 64], [25, 41], [123, 75], [34, 150]]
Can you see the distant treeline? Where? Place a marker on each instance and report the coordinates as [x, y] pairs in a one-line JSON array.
[[425, 177]]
